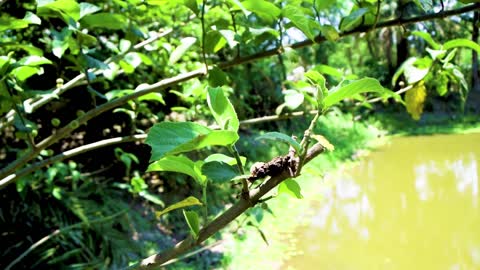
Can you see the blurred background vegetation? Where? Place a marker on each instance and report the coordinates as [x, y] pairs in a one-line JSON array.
[[63, 60]]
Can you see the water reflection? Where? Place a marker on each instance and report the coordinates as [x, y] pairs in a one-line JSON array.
[[411, 205]]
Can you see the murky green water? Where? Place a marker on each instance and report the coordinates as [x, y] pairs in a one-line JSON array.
[[413, 204]]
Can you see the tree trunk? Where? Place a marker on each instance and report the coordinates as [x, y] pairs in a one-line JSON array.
[[475, 74]]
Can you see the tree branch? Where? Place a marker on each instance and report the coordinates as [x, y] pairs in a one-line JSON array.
[[228, 216], [65, 131]]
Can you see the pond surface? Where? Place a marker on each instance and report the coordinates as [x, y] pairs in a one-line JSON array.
[[413, 204]]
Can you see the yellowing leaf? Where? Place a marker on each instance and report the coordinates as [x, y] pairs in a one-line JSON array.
[[324, 142], [190, 201], [415, 100]]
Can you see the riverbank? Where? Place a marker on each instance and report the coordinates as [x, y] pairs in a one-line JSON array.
[[352, 141]]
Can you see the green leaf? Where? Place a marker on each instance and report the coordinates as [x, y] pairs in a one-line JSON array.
[[216, 77], [138, 184], [185, 44], [412, 72], [293, 99], [33, 60], [24, 72], [165, 137], [61, 41], [222, 110], [318, 80], [30, 49], [178, 137], [263, 9], [193, 222], [461, 42], [240, 7], [133, 58], [277, 136], [324, 4], [12, 24], [151, 198], [229, 36], [300, 20], [225, 159], [88, 61], [86, 39], [105, 20], [328, 70], [219, 171], [290, 187], [64, 9], [436, 54], [178, 164], [214, 41], [87, 8], [353, 20], [329, 32], [153, 97], [190, 201], [428, 38], [32, 18], [192, 5], [347, 91]]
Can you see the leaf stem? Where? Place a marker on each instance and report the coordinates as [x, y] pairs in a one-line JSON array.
[[233, 150]]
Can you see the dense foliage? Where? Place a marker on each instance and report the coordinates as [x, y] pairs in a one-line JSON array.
[[109, 109]]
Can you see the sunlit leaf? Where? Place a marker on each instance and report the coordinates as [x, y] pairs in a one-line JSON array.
[[24, 72], [323, 141], [277, 136], [178, 164], [64, 9], [87, 8], [290, 187], [263, 9], [179, 137], [412, 72], [329, 32], [461, 42], [214, 41], [328, 70], [32, 18], [293, 99], [185, 44], [225, 159], [190, 201], [428, 38], [415, 99], [300, 20], [222, 109], [153, 198], [347, 91]]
